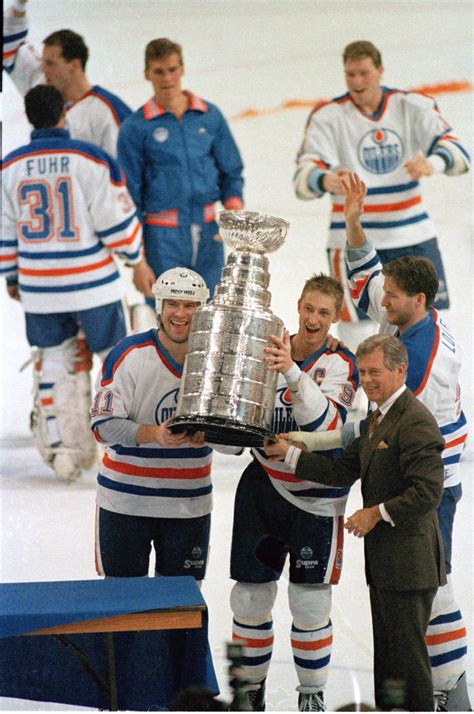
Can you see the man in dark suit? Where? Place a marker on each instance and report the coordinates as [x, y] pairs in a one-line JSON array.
[[398, 459]]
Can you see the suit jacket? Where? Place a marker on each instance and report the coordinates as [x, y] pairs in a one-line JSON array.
[[401, 467]]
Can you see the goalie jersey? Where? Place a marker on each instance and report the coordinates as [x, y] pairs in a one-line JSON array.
[[434, 357], [96, 117], [338, 135], [139, 381], [313, 397], [66, 209]]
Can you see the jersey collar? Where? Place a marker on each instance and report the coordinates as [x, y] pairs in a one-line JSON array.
[[152, 109]]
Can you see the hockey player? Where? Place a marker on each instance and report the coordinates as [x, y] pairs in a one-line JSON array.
[[179, 158], [66, 209], [93, 113], [399, 298], [276, 514], [154, 487], [392, 139]]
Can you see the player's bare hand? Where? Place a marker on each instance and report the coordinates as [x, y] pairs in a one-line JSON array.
[[333, 343], [197, 439], [276, 452], [143, 278], [418, 166], [333, 182], [354, 190], [362, 521], [13, 291], [278, 357], [19, 9], [160, 434]]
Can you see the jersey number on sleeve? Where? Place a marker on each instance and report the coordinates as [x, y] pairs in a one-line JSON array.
[[102, 403], [51, 210]]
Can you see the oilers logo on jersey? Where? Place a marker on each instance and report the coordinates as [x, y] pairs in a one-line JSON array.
[[166, 407], [380, 151], [283, 420]]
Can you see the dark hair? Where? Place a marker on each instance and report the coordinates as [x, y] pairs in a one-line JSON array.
[[326, 285], [414, 275], [160, 49], [72, 45], [361, 49], [44, 105]]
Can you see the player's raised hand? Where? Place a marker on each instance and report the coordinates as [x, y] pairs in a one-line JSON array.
[[279, 354], [418, 166], [354, 190], [333, 182]]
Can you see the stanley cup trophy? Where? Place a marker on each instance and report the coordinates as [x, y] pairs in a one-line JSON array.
[[226, 390]]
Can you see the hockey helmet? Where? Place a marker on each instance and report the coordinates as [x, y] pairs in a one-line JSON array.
[[179, 284]]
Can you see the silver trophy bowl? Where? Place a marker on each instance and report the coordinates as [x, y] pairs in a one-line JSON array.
[[252, 232], [226, 390]]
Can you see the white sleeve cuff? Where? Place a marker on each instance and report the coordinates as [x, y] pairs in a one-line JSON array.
[[292, 456], [385, 515], [293, 376], [438, 163]]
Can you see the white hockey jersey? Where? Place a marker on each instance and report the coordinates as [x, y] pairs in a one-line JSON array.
[[66, 209], [340, 135], [95, 118], [434, 358], [140, 381], [317, 400]]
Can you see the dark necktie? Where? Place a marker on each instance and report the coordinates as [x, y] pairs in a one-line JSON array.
[[373, 422]]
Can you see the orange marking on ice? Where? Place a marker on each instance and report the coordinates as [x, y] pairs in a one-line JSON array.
[[430, 89]]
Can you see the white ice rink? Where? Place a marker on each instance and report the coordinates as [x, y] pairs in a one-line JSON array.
[[240, 55]]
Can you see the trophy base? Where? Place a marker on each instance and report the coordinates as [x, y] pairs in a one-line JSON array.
[[220, 430]]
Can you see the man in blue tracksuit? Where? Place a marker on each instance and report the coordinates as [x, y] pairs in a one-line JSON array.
[[179, 158]]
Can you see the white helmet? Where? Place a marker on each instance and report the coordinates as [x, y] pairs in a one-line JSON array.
[[179, 284]]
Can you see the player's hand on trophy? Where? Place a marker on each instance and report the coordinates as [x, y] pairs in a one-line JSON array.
[[276, 451], [143, 278], [279, 354], [354, 190], [197, 439], [419, 166], [160, 434]]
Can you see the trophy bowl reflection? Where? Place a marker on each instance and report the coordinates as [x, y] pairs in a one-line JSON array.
[[226, 390]]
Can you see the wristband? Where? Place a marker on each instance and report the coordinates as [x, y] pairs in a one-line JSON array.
[[438, 162], [320, 183]]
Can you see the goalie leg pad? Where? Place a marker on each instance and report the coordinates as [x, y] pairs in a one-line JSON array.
[[62, 402]]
